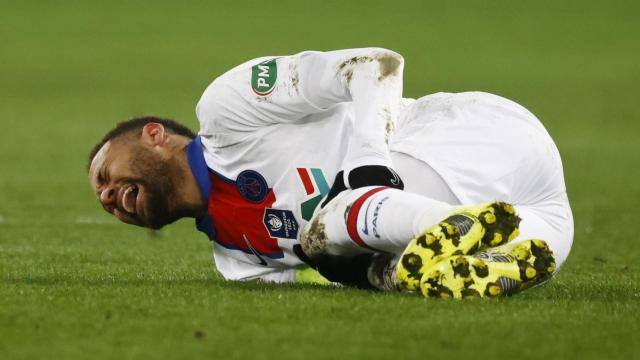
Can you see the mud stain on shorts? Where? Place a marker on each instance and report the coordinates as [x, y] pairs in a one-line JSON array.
[[389, 125]]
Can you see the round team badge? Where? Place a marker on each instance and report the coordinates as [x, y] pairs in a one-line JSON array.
[[252, 186]]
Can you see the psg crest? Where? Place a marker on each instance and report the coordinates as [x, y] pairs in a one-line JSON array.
[[252, 186]]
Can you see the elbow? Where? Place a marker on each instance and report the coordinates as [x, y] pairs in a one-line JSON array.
[[390, 63], [382, 63]]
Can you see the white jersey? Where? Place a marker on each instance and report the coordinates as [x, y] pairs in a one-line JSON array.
[[275, 131]]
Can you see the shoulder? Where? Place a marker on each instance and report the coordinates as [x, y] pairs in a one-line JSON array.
[[224, 85], [227, 100]]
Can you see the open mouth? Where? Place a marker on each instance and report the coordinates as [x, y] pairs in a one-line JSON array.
[[128, 199]]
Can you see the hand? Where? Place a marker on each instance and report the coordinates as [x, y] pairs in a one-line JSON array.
[[348, 271]]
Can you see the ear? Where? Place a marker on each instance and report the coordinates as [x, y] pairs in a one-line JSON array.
[[154, 134]]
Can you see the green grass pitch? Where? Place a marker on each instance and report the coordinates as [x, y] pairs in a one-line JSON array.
[[74, 284]]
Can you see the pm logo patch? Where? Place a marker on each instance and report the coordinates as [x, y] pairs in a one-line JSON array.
[[280, 223], [252, 186], [263, 77]]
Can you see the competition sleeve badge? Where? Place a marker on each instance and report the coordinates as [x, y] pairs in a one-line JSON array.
[[280, 223], [263, 77]]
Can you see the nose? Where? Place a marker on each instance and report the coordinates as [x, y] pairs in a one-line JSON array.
[[108, 196]]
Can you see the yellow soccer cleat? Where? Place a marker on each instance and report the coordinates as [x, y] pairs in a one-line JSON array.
[[496, 272], [464, 231]]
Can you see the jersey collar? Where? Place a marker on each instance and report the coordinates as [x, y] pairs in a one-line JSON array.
[[200, 170]]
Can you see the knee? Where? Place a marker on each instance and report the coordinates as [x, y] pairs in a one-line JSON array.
[[314, 237]]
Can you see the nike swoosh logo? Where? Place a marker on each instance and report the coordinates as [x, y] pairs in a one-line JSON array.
[[396, 179], [366, 223], [262, 262]]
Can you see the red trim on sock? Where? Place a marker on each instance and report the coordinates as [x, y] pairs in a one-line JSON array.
[[352, 218]]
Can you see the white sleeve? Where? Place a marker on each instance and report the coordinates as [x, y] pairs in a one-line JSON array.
[[274, 90]]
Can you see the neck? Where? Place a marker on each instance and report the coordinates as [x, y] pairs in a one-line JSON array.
[[189, 202]]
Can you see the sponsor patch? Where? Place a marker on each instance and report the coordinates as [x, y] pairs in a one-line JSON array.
[[252, 186], [263, 77], [280, 223]]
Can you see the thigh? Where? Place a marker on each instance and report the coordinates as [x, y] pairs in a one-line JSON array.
[[420, 178], [488, 148], [483, 146]]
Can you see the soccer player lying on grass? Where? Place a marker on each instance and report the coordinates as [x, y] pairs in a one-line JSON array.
[[484, 210]]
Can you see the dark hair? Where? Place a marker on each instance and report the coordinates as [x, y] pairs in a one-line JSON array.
[[136, 125]]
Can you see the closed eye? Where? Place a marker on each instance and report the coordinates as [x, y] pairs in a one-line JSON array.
[[103, 177], [101, 180]]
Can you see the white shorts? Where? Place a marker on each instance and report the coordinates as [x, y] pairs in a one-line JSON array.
[[485, 148]]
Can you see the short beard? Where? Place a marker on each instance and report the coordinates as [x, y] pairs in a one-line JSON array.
[[159, 177]]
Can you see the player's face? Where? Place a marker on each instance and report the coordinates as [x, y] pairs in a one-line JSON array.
[[135, 184]]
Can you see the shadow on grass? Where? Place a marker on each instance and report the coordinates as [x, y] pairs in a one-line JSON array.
[[47, 281], [581, 292], [159, 281], [554, 291]]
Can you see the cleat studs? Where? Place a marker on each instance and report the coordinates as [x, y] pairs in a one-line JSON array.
[[430, 239], [481, 269], [421, 241], [493, 290], [445, 292], [448, 261], [432, 277], [414, 275], [530, 273], [521, 253], [412, 262], [539, 244], [508, 208], [497, 239], [488, 217], [540, 249], [460, 267], [468, 293], [451, 230]]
